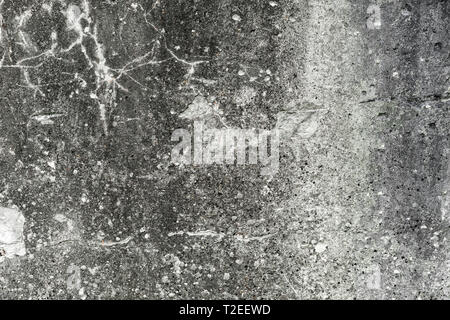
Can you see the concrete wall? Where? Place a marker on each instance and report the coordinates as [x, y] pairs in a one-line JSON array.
[[91, 92]]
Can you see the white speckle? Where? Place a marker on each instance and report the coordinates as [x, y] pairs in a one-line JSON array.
[[47, 7], [236, 17], [273, 3], [241, 73], [396, 271], [395, 74], [226, 276], [245, 96], [320, 247], [93, 270], [52, 164], [82, 294], [405, 12], [60, 218]]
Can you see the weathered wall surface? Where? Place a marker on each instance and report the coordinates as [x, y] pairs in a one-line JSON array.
[[91, 92]]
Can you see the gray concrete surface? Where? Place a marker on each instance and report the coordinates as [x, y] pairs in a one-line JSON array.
[[92, 207]]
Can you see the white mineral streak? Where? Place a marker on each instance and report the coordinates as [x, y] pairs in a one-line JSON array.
[[219, 236], [81, 25]]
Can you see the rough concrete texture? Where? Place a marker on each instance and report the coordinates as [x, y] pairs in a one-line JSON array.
[[91, 92]]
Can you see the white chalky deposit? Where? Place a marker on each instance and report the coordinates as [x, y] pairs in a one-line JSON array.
[[11, 233]]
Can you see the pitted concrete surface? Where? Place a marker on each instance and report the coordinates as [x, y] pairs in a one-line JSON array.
[[92, 207]]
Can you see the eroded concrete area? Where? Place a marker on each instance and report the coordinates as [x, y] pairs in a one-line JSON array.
[[92, 91]]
